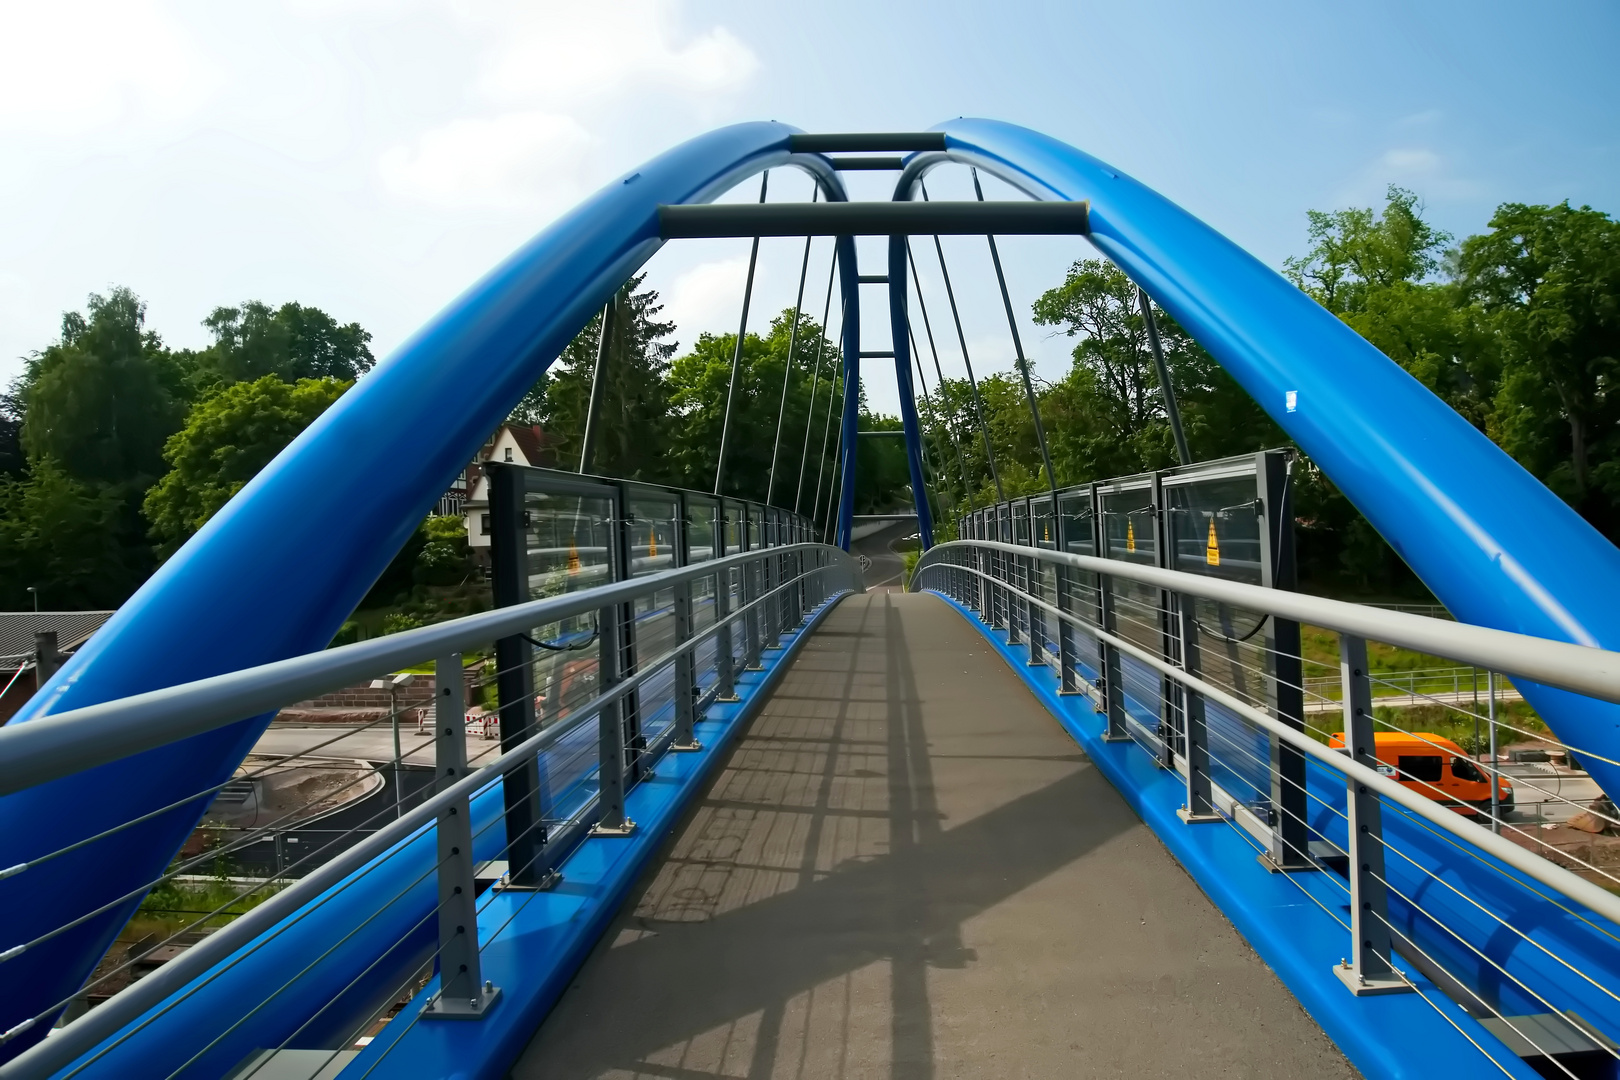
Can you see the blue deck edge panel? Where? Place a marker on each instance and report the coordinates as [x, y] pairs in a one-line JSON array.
[[534, 942], [1398, 1036]]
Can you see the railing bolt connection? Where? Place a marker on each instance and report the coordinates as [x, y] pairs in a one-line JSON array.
[[463, 992], [1371, 972]]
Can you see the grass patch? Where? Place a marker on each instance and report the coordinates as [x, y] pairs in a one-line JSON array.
[[179, 905]]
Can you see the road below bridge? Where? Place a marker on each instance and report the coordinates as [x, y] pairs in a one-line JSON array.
[[906, 868]]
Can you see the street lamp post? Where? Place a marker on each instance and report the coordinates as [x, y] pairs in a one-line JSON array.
[[392, 685]]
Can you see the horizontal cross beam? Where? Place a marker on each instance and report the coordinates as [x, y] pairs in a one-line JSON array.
[[866, 141], [874, 219], [868, 164]]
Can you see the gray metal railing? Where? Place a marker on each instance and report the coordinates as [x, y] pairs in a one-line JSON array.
[[1154, 651], [757, 597]]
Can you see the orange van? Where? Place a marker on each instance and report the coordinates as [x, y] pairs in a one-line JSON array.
[[1435, 768]]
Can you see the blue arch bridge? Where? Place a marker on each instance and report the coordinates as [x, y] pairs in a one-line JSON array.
[[719, 788]]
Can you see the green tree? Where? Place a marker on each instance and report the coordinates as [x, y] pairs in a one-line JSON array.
[[229, 436], [698, 383], [445, 558], [63, 536], [1548, 278], [291, 342], [1107, 416], [634, 427], [1379, 273], [101, 402]]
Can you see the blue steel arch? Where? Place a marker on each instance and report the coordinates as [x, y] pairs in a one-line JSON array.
[[1488, 539], [223, 602], [1494, 544]]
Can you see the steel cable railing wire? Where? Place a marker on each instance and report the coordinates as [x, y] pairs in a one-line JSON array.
[[1589, 895], [491, 938], [545, 739], [207, 792], [1424, 870], [1476, 855], [282, 876], [411, 978], [1344, 887], [254, 836]]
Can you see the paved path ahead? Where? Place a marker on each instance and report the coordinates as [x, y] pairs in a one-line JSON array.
[[907, 869]]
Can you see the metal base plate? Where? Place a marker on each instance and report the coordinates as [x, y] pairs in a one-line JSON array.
[[1275, 867], [1361, 987], [685, 747], [441, 1008], [496, 876], [614, 830], [727, 699], [1189, 818], [1115, 738]]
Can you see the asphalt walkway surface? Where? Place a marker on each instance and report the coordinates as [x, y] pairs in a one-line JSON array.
[[906, 868]]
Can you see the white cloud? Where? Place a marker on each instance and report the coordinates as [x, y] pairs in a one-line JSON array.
[[72, 65], [1419, 168], [558, 53], [549, 72], [709, 297], [518, 160], [1410, 164]]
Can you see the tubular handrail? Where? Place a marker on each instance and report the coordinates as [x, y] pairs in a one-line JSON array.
[[1577, 889], [1577, 668], [128, 1005], [51, 747]]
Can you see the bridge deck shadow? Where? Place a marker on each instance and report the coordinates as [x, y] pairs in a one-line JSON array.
[[907, 869]]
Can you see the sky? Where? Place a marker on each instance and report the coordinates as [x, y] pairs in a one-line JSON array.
[[373, 158]]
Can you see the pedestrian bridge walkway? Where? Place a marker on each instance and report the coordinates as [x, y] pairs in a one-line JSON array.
[[1101, 794], [907, 868]]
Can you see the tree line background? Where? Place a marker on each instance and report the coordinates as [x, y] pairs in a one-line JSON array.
[[114, 448]]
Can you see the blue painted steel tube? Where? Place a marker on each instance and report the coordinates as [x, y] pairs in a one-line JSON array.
[[1487, 538], [263, 579], [899, 320]]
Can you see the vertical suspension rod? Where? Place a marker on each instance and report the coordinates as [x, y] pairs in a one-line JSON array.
[[736, 355], [787, 375], [936, 464], [815, 386], [593, 411], [973, 383], [1165, 386], [939, 373], [1018, 352], [826, 430]]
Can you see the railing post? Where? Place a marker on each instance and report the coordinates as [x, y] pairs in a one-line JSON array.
[[685, 690], [770, 568], [1113, 687], [725, 666], [1034, 617], [1068, 677], [1369, 971], [610, 745], [751, 592], [463, 993], [514, 679], [1195, 731], [1007, 573]]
